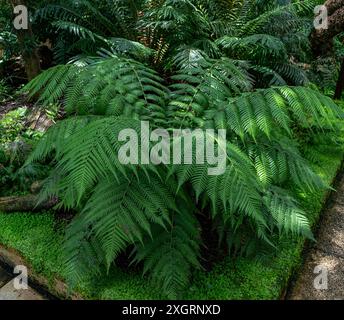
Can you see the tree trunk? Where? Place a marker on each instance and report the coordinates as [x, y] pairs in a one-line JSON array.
[[322, 39], [28, 203], [340, 83], [30, 55]]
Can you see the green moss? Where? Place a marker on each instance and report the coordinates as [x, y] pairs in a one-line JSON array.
[[38, 239]]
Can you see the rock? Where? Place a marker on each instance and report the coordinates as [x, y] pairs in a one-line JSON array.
[[36, 187], [8, 292], [38, 120]]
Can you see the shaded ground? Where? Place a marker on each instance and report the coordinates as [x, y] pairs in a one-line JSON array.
[[37, 118], [7, 107], [328, 253], [10, 105]]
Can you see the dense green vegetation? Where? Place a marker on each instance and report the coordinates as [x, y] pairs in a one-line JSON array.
[[38, 238], [178, 64]]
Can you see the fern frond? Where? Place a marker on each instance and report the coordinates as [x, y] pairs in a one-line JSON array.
[[117, 86], [289, 218], [173, 253], [56, 137]]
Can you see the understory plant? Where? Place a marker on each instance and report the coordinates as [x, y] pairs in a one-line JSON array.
[[16, 143]]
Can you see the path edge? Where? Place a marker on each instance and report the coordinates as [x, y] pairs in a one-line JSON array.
[[307, 245], [54, 290]]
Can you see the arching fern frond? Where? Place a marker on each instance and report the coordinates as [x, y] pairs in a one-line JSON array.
[[255, 47], [203, 85], [173, 253], [287, 215], [262, 110], [112, 86]]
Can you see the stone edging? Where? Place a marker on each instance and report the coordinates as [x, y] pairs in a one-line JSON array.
[[58, 289]]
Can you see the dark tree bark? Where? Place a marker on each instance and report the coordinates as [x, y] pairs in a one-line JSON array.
[[30, 55], [322, 39]]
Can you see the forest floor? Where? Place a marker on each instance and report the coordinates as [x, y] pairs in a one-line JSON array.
[[36, 119], [325, 259], [6, 107]]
